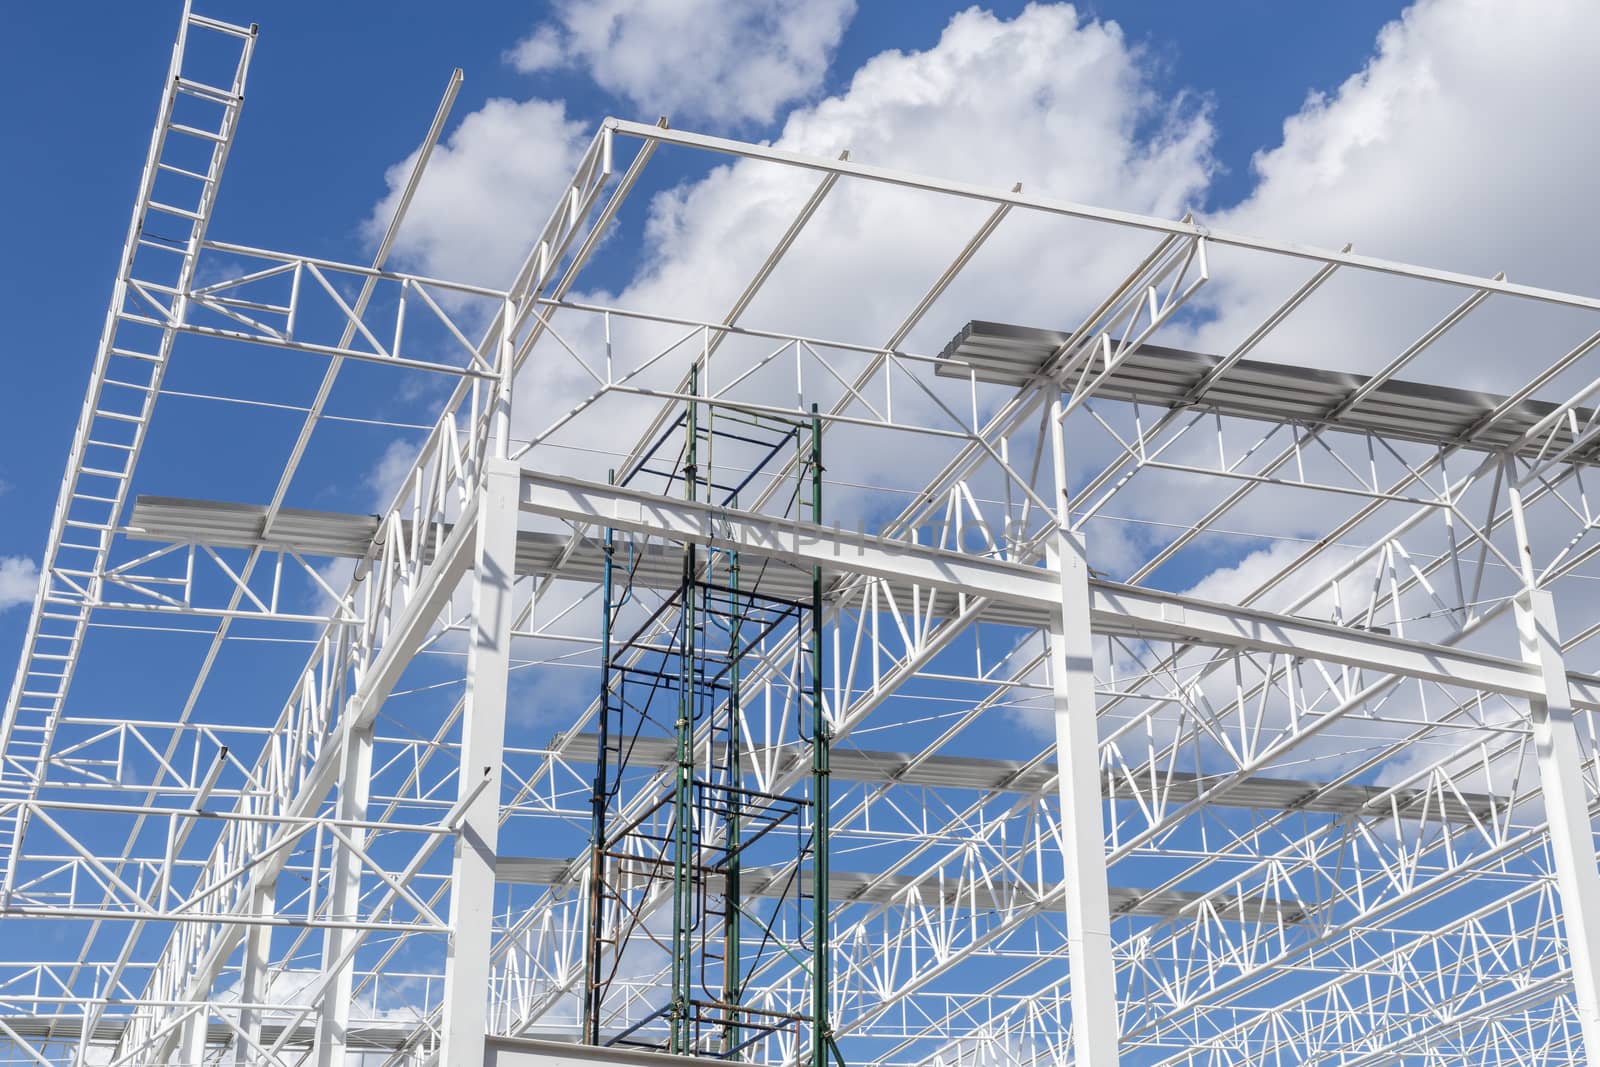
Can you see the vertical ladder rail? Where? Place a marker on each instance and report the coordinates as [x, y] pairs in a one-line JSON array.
[[158, 261]]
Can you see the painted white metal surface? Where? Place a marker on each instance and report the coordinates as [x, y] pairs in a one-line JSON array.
[[1341, 813]]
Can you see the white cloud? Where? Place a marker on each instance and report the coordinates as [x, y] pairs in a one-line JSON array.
[[540, 50], [694, 59], [1421, 155], [1062, 104], [390, 473], [19, 579], [1459, 145], [486, 191], [1233, 584], [1058, 103]]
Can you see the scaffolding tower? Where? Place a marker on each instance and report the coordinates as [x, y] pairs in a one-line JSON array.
[[675, 673]]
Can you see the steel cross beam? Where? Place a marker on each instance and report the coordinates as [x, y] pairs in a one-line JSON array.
[[1114, 608], [1067, 208]]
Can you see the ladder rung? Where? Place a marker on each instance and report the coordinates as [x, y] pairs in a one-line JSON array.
[[109, 444], [206, 92], [187, 173], [148, 357], [118, 416], [179, 212], [206, 23], [161, 246], [98, 473], [207, 135]]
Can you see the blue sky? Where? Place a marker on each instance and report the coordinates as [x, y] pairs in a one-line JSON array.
[[92, 83], [339, 93], [1446, 137]]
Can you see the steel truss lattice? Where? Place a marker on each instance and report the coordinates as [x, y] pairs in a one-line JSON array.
[[1338, 808]]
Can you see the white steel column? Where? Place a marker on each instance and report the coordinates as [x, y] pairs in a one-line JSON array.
[[192, 1039], [1560, 757], [253, 982], [467, 968], [1095, 1018], [344, 899]]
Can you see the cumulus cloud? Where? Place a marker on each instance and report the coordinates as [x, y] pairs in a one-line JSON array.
[[1456, 145], [1060, 103], [1057, 102], [1049, 99], [693, 59], [1045, 99], [19, 578], [487, 190], [1436, 153], [1423, 154]]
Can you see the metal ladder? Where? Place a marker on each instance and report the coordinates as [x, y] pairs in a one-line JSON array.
[[177, 192]]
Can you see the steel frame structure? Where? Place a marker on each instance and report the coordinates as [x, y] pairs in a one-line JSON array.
[[1344, 816]]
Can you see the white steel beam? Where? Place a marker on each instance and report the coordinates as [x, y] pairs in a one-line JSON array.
[[1095, 1014], [1114, 608], [355, 787], [1559, 753], [1071, 209], [1559, 750], [255, 975], [468, 965], [1350, 880]]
